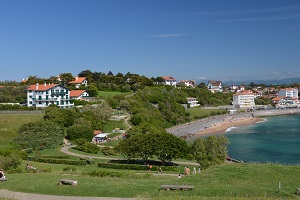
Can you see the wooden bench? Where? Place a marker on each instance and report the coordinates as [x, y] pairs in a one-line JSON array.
[[177, 187], [67, 182]]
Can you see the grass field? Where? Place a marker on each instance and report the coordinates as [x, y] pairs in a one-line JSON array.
[[201, 112], [228, 181], [10, 123]]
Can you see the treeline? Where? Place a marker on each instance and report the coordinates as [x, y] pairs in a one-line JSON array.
[[13, 93]]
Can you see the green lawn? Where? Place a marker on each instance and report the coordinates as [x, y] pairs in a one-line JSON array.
[[228, 181], [112, 124]]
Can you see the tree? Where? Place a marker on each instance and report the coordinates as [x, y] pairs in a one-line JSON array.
[[63, 117], [92, 90], [66, 78], [39, 135], [128, 148], [78, 131], [168, 147], [101, 111], [210, 151]]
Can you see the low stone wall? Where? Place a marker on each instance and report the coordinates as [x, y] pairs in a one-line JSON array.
[[276, 112], [20, 112]]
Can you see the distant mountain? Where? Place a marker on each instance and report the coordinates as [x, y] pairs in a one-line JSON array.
[[285, 81]]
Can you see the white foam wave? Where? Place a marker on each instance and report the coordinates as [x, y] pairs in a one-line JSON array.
[[230, 128], [262, 120]]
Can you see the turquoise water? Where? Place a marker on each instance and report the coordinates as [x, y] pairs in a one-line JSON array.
[[276, 140]]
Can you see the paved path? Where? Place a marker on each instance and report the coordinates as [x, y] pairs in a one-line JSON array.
[[29, 196], [66, 151]]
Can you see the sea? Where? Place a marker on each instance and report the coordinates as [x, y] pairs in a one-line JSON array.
[[274, 140]]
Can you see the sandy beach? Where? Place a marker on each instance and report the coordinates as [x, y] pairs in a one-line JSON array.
[[222, 127], [220, 123]]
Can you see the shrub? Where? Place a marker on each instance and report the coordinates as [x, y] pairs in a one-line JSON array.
[[107, 173], [87, 147], [61, 161], [70, 169], [108, 151]]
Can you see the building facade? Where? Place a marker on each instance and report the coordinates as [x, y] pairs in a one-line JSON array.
[[79, 81], [244, 99], [79, 95], [289, 92], [215, 86], [41, 96], [168, 80], [193, 102]]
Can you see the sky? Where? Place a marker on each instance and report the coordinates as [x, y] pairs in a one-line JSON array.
[[185, 39]]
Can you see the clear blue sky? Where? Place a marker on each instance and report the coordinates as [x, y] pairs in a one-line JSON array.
[[186, 39]]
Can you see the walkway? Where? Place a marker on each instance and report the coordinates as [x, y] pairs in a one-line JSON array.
[[29, 196]]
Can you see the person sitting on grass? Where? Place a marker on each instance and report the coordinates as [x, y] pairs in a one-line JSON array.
[[2, 174]]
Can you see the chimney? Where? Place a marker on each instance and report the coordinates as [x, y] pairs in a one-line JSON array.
[[37, 86], [45, 84], [76, 78]]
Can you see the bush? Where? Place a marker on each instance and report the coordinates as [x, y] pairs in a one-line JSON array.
[[61, 161], [136, 167], [88, 147], [73, 169], [108, 151]]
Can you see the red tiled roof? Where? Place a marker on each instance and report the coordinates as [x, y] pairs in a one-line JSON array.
[[168, 78], [77, 80], [243, 93], [96, 132], [215, 83], [41, 87], [76, 93]]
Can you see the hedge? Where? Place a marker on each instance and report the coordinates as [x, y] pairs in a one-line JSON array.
[[61, 161], [136, 167]]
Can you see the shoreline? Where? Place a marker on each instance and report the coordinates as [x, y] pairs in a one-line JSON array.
[[224, 126], [220, 123]]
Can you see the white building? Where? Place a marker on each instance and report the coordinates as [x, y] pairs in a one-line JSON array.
[[78, 94], [193, 102], [169, 80], [41, 96], [79, 81], [289, 92], [244, 99], [188, 83], [215, 86]]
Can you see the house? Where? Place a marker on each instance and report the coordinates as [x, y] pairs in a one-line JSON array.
[[187, 83], [193, 102], [110, 73], [79, 94], [169, 80], [289, 92], [215, 86], [79, 81], [244, 99], [41, 96]]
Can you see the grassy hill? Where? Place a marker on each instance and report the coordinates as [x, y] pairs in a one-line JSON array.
[[10, 123], [228, 181]]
